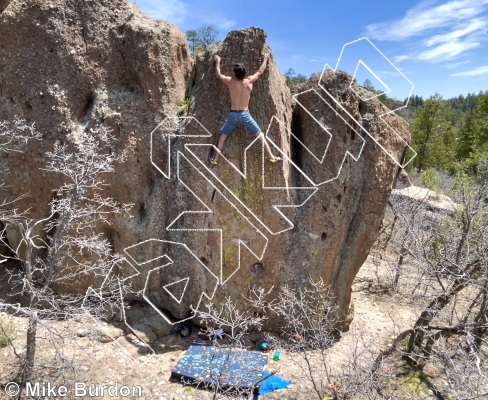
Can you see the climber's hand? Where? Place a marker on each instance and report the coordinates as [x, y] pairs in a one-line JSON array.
[[264, 57]]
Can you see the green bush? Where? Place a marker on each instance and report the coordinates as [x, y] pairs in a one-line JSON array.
[[7, 334], [185, 106], [429, 180]]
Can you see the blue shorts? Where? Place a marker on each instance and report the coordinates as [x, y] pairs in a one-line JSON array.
[[243, 118]]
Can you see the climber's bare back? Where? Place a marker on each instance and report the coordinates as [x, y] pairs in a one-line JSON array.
[[240, 93], [240, 89]]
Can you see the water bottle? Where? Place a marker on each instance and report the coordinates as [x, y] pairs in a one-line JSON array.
[[277, 355]]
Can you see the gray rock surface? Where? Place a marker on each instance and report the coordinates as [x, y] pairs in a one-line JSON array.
[[430, 198], [145, 333]]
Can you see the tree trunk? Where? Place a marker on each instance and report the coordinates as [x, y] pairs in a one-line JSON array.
[[57, 237], [482, 318], [30, 349], [432, 310], [439, 303]]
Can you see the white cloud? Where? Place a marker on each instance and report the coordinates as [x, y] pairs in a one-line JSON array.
[[226, 24], [457, 64], [174, 11], [401, 58], [215, 18], [475, 25], [423, 18], [453, 28], [446, 51], [182, 12], [474, 72]]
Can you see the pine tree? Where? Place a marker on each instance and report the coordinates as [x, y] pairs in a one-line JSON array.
[[433, 136], [473, 139]]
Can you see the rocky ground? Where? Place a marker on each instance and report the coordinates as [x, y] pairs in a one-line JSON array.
[[90, 356]]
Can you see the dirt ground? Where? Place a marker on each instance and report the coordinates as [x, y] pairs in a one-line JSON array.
[[100, 361]]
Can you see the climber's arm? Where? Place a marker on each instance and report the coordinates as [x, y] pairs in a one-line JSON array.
[[253, 78], [223, 78]]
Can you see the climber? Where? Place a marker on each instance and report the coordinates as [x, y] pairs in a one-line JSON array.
[[240, 92]]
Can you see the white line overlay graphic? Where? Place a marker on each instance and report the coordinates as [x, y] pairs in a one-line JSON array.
[[172, 164]]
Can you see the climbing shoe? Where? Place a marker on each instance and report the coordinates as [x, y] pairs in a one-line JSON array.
[[212, 161], [273, 160]]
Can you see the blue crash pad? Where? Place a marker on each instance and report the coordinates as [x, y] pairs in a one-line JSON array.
[[207, 363]]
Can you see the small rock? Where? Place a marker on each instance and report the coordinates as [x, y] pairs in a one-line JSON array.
[[157, 323], [145, 333], [108, 334]]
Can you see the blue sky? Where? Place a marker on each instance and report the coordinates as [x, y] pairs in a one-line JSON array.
[[439, 45]]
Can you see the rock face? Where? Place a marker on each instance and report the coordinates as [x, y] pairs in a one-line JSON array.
[[347, 214], [70, 66], [253, 223], [198, 231]]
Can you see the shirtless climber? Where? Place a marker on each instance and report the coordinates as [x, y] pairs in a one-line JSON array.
[[240, 92]]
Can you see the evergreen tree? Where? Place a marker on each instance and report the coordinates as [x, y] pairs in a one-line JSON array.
[[368, 85], [193, 40], [473, 139], [415, 101], [463, 103], [293, 80], [433, 136]]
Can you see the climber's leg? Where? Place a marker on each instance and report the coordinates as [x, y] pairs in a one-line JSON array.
[[263, 140], [213, 160]]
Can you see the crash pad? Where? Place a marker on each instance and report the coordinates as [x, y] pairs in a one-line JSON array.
[[228, 367]]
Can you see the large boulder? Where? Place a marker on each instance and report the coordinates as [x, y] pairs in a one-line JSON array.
[[362, 145], [429, 198], [313, 215], [198, 231], [71, 66]]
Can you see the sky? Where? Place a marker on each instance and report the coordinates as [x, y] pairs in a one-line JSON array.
[[403, 47]]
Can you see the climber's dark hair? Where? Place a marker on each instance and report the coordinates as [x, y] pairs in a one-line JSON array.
[[239, 71]]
